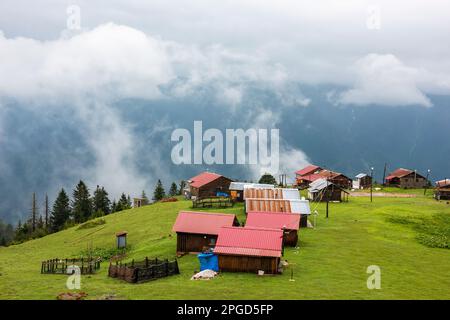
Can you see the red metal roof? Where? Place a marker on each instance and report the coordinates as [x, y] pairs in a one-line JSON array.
[[202, 222], [307, 170], [311, 177], [249, 241], [274, 220], [401, 172], [203, 178]]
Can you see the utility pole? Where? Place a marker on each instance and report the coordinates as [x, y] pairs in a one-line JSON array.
[[371, 184], [426, 182], [384, 173], [328, 197]]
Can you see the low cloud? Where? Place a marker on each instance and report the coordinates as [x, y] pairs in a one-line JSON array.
[[384, 80]]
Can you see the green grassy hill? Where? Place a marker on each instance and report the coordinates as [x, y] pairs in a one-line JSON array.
[[331, 263]]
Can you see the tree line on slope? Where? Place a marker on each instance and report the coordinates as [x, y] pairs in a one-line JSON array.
[[66, 212]]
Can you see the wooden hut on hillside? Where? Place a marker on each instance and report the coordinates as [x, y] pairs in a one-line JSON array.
[[311, 173], [362, 181], [406, 179], [288, 222], [249, 249], [208, 184], [322, 190], [442, 190], [306, 175], [199, 230]]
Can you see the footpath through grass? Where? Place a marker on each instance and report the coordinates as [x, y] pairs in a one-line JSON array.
[[330, 264]]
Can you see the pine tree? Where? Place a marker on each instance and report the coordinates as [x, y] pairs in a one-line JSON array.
[[145, 200], [267, 178], [101, 202], [159, 192], [82, 203], [123, 203], [114, 206], [61, 211], [182, 186], [46, 211], [173, 189]]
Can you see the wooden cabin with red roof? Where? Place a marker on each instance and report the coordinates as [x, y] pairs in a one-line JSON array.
[[288, 222], [311, 173], [249, 249], [406, 179], [197, 231], [306, 175], [208, 184], [442, 190]]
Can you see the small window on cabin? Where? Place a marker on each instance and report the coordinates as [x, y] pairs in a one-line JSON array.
[[212, 242]]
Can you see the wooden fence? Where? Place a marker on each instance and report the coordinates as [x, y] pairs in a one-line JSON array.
[[218, 202], [59, 266], [146, 270]]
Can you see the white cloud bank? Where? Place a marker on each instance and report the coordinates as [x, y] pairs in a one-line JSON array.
[[385, 80]]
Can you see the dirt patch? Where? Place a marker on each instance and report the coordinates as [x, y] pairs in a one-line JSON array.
[[383, 194]]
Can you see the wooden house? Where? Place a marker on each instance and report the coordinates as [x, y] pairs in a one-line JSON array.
[[197, 231], [296, 206], [406, 179], [309, 174], [322, 190], [237, 189], [306, 175], [362, 181], [208, 184], [442, 190], [288, 222], [249, 249]]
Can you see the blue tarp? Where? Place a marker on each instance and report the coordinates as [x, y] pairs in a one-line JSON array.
[[222, 194], [208, 261]]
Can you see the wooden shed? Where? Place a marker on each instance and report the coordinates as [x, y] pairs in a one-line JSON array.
[[197, 231], [208, 184], [288, 222], [406, 179], [442, 190], [362, 181], [249, 249], [322, 190]]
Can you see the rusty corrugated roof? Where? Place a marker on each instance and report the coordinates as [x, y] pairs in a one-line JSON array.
[[401, 172], [202, 222], [249, 241], [443, 183], [278, 205], [275, 220], [273, 193]]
